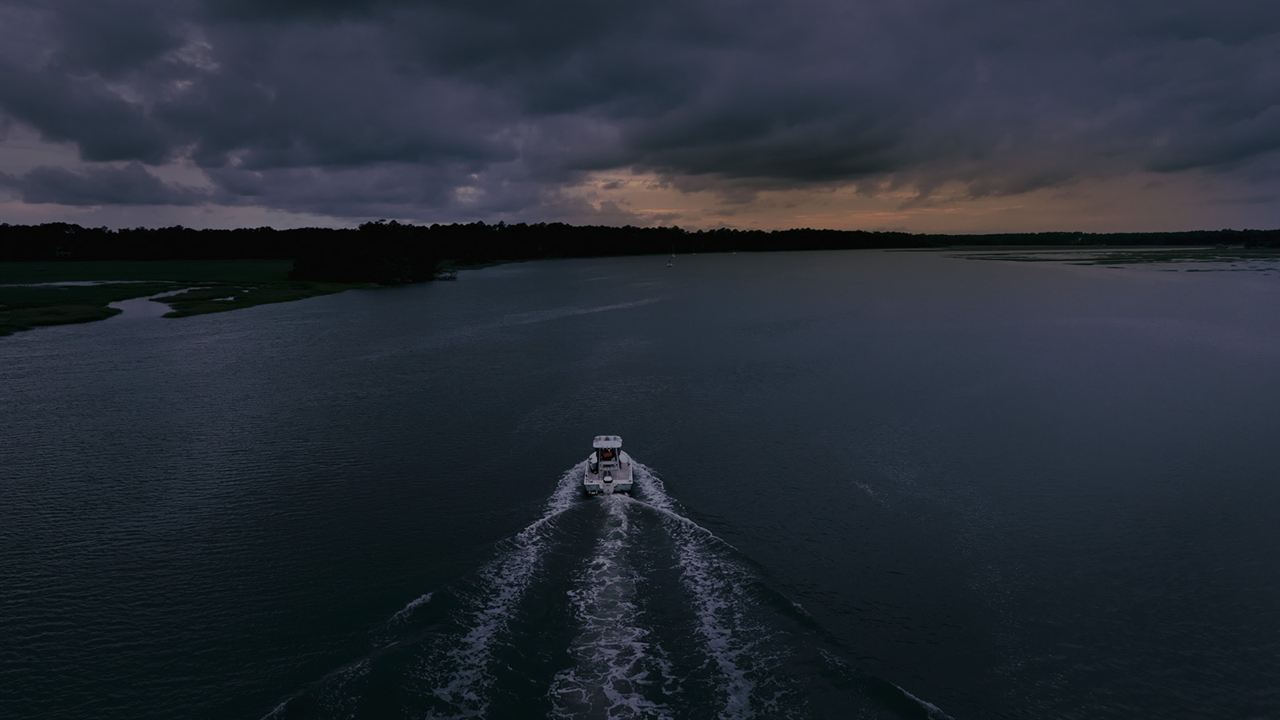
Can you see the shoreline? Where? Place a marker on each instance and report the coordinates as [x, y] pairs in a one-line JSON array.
[[45, 293]]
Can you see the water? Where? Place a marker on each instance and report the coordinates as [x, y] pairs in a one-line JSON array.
[[876, 484]]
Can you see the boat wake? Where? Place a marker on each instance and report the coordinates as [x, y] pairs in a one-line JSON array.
[[462, 680], [405, 612], [773, 659], [663, 619], [717, 588], [539, 316], [617, 658]]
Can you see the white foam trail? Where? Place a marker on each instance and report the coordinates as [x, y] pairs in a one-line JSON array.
[[537, 316], [677, 517], [329, 689], [504, 581], [276, 710], [933, 711], [334, 693], [407, 610], [615, 659], [716, 589], [343, 672]]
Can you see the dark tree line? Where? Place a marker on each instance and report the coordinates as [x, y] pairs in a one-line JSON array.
[[392, 252]]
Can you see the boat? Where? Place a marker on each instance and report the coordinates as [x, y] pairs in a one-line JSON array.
[[609, 469]]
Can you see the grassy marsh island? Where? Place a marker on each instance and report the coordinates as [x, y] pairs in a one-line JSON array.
[[34, 294]]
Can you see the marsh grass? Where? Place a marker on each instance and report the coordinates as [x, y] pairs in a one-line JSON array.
[[1120, 257], [223, 285], [234, 296], [24, 307]]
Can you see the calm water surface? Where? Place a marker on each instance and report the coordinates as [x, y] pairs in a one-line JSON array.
[[877, 484]]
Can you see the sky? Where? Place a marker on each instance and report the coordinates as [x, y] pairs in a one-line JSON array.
[[919, 115]]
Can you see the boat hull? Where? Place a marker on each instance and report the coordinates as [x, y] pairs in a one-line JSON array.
[[606, 480]]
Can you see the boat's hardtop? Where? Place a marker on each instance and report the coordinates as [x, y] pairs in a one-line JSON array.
[[607, 441]]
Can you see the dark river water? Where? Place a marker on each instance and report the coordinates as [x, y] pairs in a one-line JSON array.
[[874, 484]]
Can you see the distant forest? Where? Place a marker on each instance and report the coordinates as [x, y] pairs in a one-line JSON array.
[[391, 252]]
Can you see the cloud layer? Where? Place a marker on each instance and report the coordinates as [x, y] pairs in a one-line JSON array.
[[453, 110]]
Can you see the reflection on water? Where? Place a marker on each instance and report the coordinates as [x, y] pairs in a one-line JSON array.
[[143, 307]]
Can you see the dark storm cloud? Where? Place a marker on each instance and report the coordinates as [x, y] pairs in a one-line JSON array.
[[462, 109], [148, 31], [80, 110], [131, 184]]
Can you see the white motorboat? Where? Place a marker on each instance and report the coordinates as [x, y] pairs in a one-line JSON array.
[[609, 469]]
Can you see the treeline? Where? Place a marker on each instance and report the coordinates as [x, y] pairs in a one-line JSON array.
[[395, 252]]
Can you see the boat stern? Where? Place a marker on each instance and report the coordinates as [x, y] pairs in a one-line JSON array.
[[607, 473]]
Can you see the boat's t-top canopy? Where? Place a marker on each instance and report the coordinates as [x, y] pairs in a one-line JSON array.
[[607, 441]]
